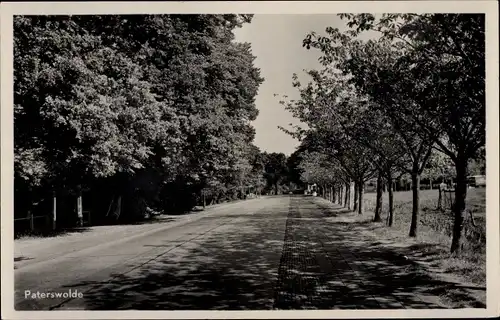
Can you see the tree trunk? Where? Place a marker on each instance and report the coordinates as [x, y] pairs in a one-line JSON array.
[[334, 195], [430, 183], [440, 199], [360, 197], [347, 196], [391, 201], [378, 206], [415, 186], [276, 188], [356, 192], [459, 207], [340, 195]]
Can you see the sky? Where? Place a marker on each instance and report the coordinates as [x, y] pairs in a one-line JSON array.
[[277, 44]]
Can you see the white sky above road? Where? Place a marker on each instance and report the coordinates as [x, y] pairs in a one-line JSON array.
[[277, 44]]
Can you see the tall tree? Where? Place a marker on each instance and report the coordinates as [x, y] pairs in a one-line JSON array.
[[435, 65], [276, 169], [447, 56]]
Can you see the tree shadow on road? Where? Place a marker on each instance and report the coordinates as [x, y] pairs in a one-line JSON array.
[[154, 220], [384, 270], [231, 270], [321, 265], [19, 259]]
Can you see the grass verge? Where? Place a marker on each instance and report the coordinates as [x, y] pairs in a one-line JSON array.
[[434, 232]]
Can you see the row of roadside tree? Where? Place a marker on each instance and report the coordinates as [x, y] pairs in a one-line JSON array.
[[408, 99]]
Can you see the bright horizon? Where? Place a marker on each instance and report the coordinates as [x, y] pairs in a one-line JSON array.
[[277, 44]]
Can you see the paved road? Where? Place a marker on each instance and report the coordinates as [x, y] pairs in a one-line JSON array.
[[290, 252]]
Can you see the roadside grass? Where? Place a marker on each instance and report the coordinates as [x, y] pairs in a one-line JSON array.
[[434, 232], [37, 234]]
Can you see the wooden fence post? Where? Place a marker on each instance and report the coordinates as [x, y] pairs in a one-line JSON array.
[[204, 200], [54, 210], [79, 209], [32, 221], [440, 199]]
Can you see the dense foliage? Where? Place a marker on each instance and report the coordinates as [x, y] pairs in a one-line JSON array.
[[145, 108]]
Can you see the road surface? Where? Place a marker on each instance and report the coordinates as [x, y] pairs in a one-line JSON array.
[[285, 252]]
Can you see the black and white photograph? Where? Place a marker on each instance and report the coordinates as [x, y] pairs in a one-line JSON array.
[[273, 157]]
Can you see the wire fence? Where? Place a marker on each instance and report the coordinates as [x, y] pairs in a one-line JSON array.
[[45, 222], [31, 219]]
